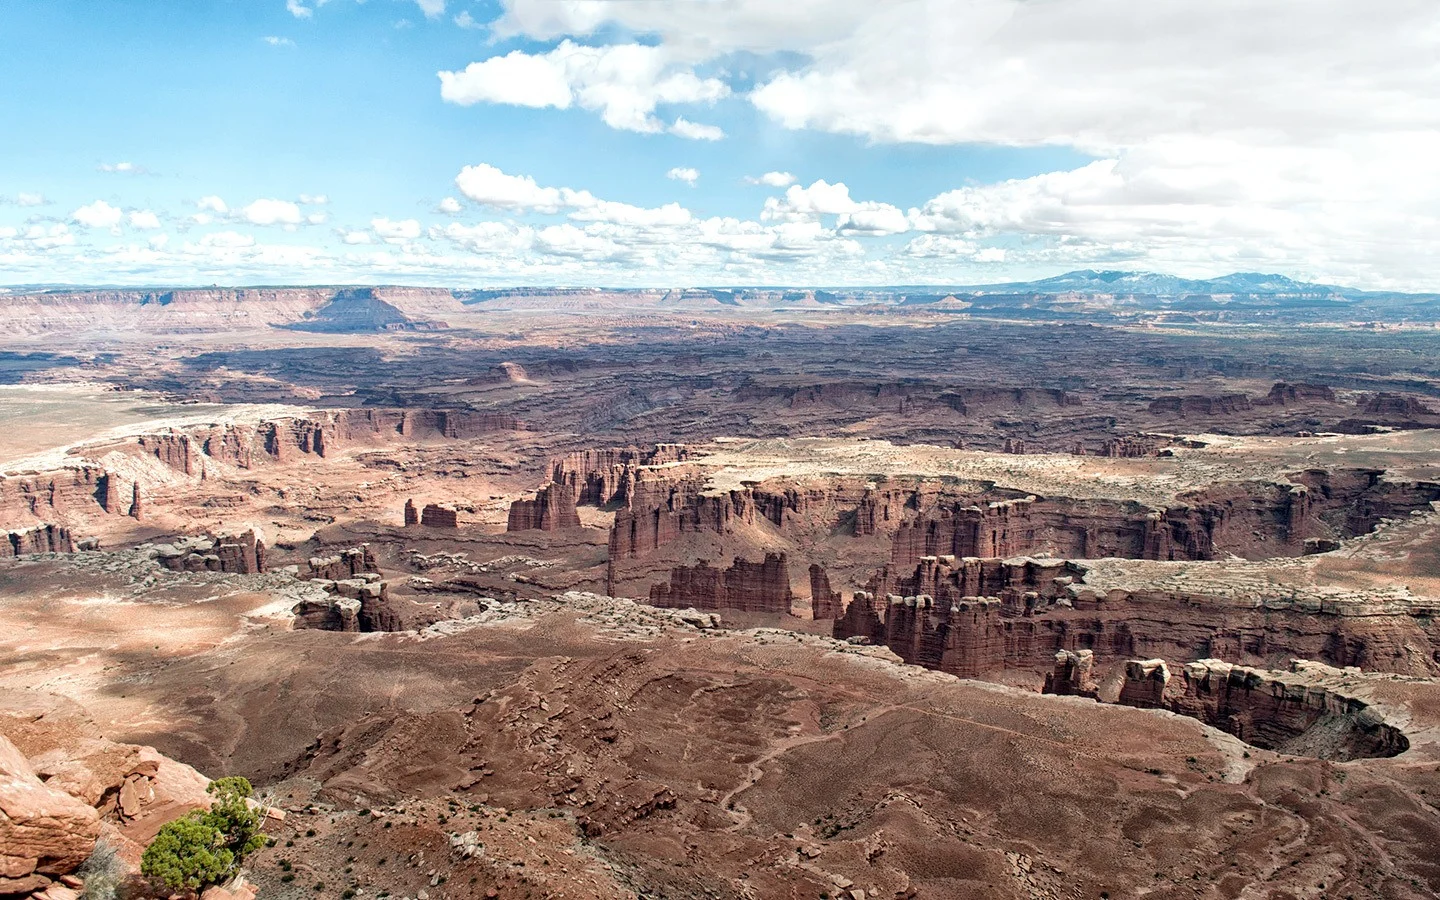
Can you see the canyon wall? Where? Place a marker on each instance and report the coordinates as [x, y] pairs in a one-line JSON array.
[[1293, 712], [976, 617], [757, 587], [553, 508]]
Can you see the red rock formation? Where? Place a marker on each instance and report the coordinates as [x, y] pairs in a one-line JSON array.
[[435, 515], [1201, 405], [1282, 394], [602, 477], [242, 554], [824, 602], [973, 617], [1272, 710], [762, 587], [553, 508], [345, 564], [137, 507], [412, 515], [44, 832], [1387, 404], [40, 539], [1073, 675], [1145, 683]]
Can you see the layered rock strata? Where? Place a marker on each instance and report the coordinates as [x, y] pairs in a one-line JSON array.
[[242, 554], [757, 587], [553, 508]]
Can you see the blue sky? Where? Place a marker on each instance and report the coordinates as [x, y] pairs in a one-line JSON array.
[[622, 142]]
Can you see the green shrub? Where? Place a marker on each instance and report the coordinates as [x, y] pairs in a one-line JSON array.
[[206, 848]]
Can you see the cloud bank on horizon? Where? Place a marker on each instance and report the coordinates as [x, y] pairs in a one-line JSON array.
[[645, 142]]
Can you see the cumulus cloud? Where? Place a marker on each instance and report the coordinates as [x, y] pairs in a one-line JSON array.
[[396, 232], [144, 219], [683, 127], [449, 206], [687, 175], [314, 199], [275, 41], [433, 9], [622, 82], [299, 10], [270, 212], [212, 204], [489, 186], [24, 198], [123, 168], [772, 179], [97, 215], [467, 21]]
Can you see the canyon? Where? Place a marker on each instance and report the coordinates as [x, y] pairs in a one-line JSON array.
[[667, 595]]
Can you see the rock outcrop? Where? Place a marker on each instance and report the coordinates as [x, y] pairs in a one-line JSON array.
[[353, 604], [340, 566], [602, 477], [242, 554], [553, 508], [436, 515], [44, 832], [40, 539], [974, 617], [762, 587], [1295, 712], [824, 602], [1073, 675]]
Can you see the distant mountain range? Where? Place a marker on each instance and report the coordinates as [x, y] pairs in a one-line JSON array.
[[1089, 281]]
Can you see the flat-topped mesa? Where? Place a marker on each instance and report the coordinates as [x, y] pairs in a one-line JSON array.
[[1201, 405], [757, 587], [436, 515], [339, 566], [552, 509], [242, 554], [39, 539], [1301, 711], [604, 476], [1073, 675], [281, 439]]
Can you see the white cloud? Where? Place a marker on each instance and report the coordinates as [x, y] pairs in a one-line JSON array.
[[396, 232], [695, 131], [687, 175], [144, 219], [449, 206], [433, 9], [122, 168], [315, 219], [486, 184], [1229, 134], [227, 240], [270, 212], [314, 199], [623, 82], [772, 179], [212, 204], [356, 237], [97, 215], [275, 41], [467, 21], [298, 9]]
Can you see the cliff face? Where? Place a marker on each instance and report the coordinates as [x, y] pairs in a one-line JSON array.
[[762, 587], [601, 477], [553, 508], [242, 554], [40, 539], [1287, 711], [70, 495], [224, 309], [974, 617]]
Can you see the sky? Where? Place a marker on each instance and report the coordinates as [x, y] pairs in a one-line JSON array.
[[485, 143]]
